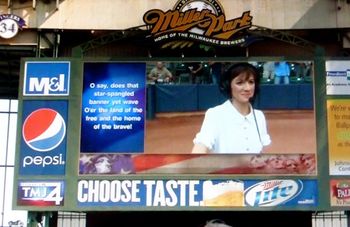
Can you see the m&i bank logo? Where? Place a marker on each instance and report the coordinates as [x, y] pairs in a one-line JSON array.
[[46, 78], [43, 142]]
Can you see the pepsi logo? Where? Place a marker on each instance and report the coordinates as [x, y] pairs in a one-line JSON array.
[[44, 129]]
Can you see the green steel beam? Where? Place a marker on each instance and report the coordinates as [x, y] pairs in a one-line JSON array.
[[79, 50], [282, 36]]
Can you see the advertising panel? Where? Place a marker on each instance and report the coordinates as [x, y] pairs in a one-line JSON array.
[[43, 141], [271, 193], [197, 193], [40, 193], [46, 78], [338, 117], [338, 77], [340, 192]]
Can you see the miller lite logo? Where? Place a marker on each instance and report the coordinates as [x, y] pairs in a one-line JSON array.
[[46, 78], [272, 192]]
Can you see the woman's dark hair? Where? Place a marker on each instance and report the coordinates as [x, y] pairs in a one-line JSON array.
[[232, 72]]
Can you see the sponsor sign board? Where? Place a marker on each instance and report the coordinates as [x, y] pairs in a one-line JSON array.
[[46, 78], [43, 140], [272, 193], [40, 193], [340, 192], [338, 77], [197, 193], [338, 119]]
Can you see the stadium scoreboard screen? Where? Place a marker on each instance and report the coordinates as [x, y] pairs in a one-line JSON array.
[[85, 141]]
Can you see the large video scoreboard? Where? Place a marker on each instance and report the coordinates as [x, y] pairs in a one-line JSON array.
[[84, 143]]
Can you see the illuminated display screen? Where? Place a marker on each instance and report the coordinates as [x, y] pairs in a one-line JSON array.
[[113, 106], [123, 135], [187, 105]]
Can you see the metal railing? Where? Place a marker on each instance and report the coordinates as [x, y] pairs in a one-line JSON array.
[[330, 219]]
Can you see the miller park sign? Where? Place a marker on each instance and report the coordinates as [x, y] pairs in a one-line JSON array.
[[203, 21]]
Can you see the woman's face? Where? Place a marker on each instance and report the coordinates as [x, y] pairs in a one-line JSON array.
[[103, 165], [243, 87]]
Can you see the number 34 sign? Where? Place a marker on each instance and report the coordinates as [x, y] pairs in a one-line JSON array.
[[9, 25]]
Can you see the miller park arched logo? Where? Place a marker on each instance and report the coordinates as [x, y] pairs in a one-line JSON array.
[[202, 20]]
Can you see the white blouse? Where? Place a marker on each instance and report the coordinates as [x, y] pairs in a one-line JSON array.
[[225, 130]]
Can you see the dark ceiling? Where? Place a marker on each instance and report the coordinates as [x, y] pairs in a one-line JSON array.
[[10, 57]]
